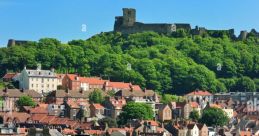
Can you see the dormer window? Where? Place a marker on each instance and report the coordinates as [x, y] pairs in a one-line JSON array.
[[39, 73]]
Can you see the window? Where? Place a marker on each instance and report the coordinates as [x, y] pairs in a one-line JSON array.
[[36, 85], [42, 80], [48, 85], [31, 85]]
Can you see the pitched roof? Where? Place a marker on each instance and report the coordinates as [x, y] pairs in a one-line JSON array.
[[68, 131], [39, 110], [245, 133], [127, 93], [136, 88], [194, 104], [9, 75], [41, 73], [72, 77], [151, 122], [15, 93], [119, 85], [72, 104], [20, 116], [160, 106], [97, 106], [71, 94], [199, 92], [93, 80], [94, 132]]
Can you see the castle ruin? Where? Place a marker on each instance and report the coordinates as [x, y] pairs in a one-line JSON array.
[[127, 24], [12, 42]]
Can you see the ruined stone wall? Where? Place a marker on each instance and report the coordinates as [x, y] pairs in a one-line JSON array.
[[140, 27]]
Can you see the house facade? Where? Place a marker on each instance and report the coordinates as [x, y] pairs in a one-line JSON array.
[[42, 81]]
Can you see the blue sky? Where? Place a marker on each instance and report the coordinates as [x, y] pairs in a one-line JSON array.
[[63, 19]]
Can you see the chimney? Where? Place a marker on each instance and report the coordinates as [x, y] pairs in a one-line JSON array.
[[77, 78], [52, 70], [5, 89]]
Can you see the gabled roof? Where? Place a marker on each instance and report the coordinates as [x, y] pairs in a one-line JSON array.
[[93, 80], [97, 106], [119, 85], [15, 93], [200, 93], [9, 75], [71, 94], [194, 104]]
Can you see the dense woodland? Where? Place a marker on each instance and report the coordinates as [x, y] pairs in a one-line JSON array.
[[173, 64]]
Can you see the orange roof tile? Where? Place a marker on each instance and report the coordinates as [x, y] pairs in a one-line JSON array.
[[152, 122], [245, 133], [9, 75], [194, 104], [67, 131], [215, 106], [72, 104], [93, 80], [120, 85], [136, 88], [94, 132], [72, 77], [200, 92], [97, 106]]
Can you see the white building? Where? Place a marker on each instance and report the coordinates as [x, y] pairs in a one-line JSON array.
[[42, 81]]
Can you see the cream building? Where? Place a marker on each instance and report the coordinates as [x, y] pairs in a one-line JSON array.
[[229, 112], [42, 81]]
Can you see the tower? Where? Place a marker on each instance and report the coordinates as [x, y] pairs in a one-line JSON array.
[[129, 16]]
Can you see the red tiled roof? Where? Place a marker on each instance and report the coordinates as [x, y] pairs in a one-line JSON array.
[[200, 92], [93, 80], [245, 133], [98, 106], [136, 88], [120, 85], [152, 122], [37, 110], [215, 106], [194, 104], [72, 77], [72, 104], [67, 131], [94, 132], [9, 75]]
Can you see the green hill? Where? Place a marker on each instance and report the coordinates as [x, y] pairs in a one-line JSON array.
[[159, 62]]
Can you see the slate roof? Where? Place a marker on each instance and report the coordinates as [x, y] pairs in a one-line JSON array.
[[41, 73], [15, 93]]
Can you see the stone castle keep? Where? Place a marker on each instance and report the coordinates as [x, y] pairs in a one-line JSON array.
[[127, 24]]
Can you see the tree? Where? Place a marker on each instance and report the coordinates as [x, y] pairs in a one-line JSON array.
[[245, 84], [167, 98], [194, 115], [96, 96], [214, 117], [25, 101], [134, 110]]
